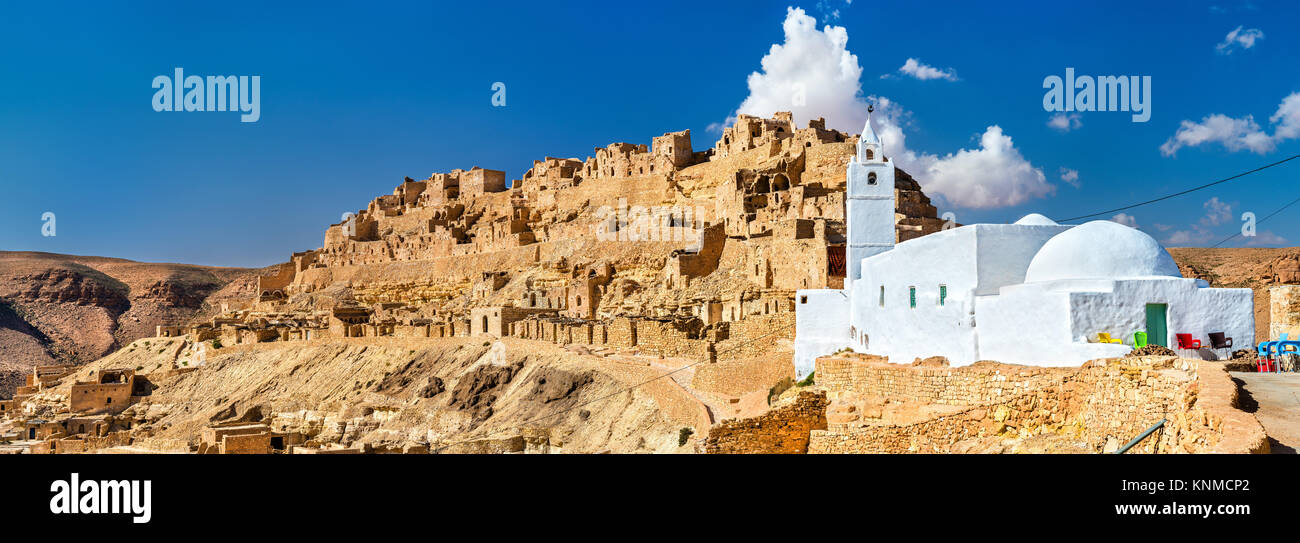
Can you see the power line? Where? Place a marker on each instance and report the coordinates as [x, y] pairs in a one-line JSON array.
[[1259, 222], [1193, 189]]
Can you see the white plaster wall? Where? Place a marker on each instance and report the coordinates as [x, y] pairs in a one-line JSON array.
[[821, 326], [1004, 252], [869, 212], [1052, 323], [966, 259], [901, 332], [1031, 325], [1191, 310]]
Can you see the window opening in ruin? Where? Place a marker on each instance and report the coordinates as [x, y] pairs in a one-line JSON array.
[[803, 299], [869, 154], [882, 295]]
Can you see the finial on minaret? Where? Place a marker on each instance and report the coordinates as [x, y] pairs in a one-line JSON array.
[[871, 108]]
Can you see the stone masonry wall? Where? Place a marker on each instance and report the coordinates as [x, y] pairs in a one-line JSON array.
[[976, 384], [784, 430], [1104, 404]]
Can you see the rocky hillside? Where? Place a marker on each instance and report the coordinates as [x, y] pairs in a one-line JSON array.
[[62, 308], [1253, 268], [453, 394]]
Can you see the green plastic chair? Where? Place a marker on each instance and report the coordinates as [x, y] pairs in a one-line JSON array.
[[1139, 340]]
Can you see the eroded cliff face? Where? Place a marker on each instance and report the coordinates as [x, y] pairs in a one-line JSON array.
[[60, 308]]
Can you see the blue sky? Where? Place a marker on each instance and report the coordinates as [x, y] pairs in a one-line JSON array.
[[356, 96]]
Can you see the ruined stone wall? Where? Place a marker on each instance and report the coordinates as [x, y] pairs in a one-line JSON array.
[[663, 338], [784, 430], [1103, 405], [97, 398], [259, 443], [735, 377], [755, 335], [981, 383]]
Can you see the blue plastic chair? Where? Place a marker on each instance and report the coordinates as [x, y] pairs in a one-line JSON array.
[[1266, 347], [1278, 348]]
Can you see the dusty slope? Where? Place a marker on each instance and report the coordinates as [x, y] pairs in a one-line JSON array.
[[399, 391], [1253, 268], [76, 309]]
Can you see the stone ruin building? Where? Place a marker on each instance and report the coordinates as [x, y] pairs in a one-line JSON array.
[[648, 234]]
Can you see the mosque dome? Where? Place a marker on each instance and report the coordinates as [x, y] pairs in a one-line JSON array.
[[1034, 219], [1100, 250]]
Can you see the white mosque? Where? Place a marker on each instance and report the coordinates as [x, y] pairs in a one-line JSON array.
[[1034, 292]]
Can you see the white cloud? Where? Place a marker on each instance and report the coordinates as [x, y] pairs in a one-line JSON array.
[[1217, 212], [1065, 122], [993, 175], [1233, 134], [1239, 38], [1070, 176], [811, 74], [1236, 134], [1266, 237], [1186, 237], [1126, 220], [1287, 118], [922, 71], [818, 61]]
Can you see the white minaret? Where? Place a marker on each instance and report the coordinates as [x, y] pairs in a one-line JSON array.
[[870, 204]]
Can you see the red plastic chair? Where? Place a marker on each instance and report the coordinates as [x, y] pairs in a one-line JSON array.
[[1185, 341]]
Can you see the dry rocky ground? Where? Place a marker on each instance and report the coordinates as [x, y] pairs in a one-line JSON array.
[[446, 392], [75, 309]]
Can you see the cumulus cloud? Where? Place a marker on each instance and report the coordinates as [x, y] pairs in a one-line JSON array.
[[1126, 220], [1186, 237], [1233, 134], [1217, 212], [1239, 38], [812, 74], [1065, 122], [1287, 118], [1267, 237], [922, 71], [816, 66], [1070, 176], [1236, 134]]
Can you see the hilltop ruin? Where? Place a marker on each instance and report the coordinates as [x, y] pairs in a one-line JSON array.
[[635, 241]]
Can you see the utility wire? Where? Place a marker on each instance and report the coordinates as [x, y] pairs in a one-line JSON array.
[[1259, 222], [1193, 189]]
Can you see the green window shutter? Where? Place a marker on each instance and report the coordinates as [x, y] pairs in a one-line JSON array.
[[943, 293], [911, 293]]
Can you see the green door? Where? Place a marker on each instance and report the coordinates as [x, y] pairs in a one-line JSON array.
[[1157, 333]]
